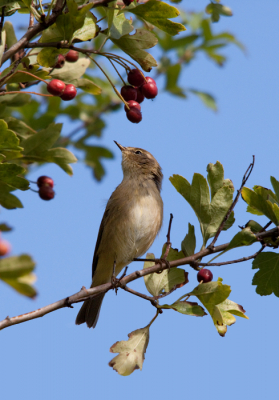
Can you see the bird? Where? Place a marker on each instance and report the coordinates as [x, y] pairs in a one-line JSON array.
[[131, 221]]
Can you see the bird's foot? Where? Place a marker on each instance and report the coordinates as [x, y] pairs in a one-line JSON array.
[[162, 261]]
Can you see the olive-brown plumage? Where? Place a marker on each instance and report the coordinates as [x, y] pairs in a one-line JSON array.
[[131, 221]]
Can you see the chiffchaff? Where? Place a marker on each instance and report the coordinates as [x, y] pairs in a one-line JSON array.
[[131, 221]]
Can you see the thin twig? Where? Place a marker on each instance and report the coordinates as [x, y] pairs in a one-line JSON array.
[[265, 227], [31, 19], [86, 293], [232, 261], [168, 243], [117, 72], [244, 180]]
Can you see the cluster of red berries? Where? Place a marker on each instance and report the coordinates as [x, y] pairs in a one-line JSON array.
[[59, 88], [204, 275], [5, 247], [45, 185], [140, 87]]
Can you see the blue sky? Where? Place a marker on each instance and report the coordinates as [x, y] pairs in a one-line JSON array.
[[51, 357]]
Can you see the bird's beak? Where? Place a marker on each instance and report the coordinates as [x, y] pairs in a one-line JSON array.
[[119, 145]]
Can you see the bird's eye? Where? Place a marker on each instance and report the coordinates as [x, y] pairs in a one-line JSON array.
[[138, 152]]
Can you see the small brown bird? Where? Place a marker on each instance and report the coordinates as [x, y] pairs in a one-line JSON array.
[[131, 221]]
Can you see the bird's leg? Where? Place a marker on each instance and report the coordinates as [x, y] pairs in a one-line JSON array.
[[161, 261], [116, 282]]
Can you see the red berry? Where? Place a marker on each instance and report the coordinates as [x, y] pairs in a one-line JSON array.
[[60, 61], [135, 77], [69, 92], [128, 93], [134, 115], [56, 87], [132, 103], [149, 89], [140, 95], [44, 180], [46, 192], [204, 275], [72, 56], [5, 247]]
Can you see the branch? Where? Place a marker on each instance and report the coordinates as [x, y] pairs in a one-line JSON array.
[[244, 180], [36, 29], [84, 294]]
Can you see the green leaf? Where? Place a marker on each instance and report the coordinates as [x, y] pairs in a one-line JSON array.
[[89, 29], [51, 34], [166, 281], [207, 99], [16, 266], [87, 85], [254, 226], [262, 201], [157, 13], [120, 26], [16, 271], [38, 143], [19, 127], [131, 352], [5, 228], [188, 244], [23, 285], [213, 295], [134, 46], [71, 71], [2, 45], [186, 307], [60, 156], [47, 57], [9, 176], [172, 75], [14, 100], [11, 36], [209, 213], [267, 278], [92, 158], [8, 200], [9, 140], [275, 185]]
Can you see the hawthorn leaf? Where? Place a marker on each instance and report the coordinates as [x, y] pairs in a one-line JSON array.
[[186, 307], [2, 44], [214, 296], [209, 213], [16, 266], [9, 176], [19, 127], [5, 228], [9, 140], [8, 200], [87, 85], [23, 284], [262, 201], [11, 38], [207, 99], [47, 57], [15, 100], [188, 245], [166, 281], [43, 140], [275, 185], [88, 30], [131, 352], [71, 71], [267, 278], [60, 156], [157, 14], [120, 26], [134, 46], [172, 75]]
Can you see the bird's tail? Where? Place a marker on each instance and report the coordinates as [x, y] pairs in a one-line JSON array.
[[90, 311]]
